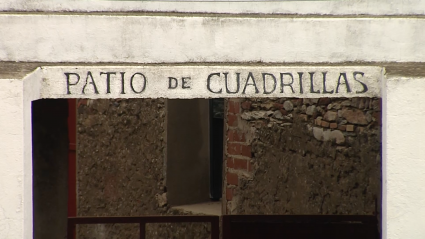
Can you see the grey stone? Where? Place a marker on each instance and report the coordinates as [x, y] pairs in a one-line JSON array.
[[303, 108], [338, 136], [267, 106], [346, 103], [254, 115], [320, 110], [310, 110], [327, 135], [368, 117], [336, 106], [288, 106], [330, 116], [162, 199], [355, 116], [277, 114], [318, 133]]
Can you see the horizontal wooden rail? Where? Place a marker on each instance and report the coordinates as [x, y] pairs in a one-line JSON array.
[[143, 220]]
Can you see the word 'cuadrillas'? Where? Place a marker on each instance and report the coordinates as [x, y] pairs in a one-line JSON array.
[[299, 82]]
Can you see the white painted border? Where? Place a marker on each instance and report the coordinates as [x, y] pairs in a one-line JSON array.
[[210, 81]]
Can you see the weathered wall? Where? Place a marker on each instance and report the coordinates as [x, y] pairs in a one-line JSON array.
[[121, 151], [311, 156]]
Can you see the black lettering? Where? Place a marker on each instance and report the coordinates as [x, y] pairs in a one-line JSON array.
[[89, 75], [122, 82], [238, 75], [324, 84], [264, 83], [172, 83], [108, 80], [144, 82], [300, 75], [68, 83], [365, 89], [184, 83], [312, 84], [250, 76], [209, 81], [282, 85], [344, 75]]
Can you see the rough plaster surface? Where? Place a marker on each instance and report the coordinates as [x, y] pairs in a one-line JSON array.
[[363, 7], [15, 220], [121, 153], [162, 39], [403, 167], [210, 82]]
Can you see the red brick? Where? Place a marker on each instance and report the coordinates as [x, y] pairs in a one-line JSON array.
[[296, 102], [246, 105], [246, 151], [350, 128], [236, 163], [325, 124], [229, 194], [230, 163], [232, 179], [234, 107], [378, 117], [250, 168], [81, 102], [324, 101], [235, 136], [240, 164], [239, 149], [232, 120], [277, 106], [333, 125], [284, 112]]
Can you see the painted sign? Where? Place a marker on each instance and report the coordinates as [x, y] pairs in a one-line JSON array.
[[210, 82]]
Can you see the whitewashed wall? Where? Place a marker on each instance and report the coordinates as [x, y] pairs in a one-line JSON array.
[[387, 31], [172, 39], [403, 159]]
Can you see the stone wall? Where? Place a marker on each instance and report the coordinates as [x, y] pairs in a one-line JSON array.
[[121, 168], [303, 156]]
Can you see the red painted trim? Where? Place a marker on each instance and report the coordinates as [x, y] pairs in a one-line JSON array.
[[72, 159]]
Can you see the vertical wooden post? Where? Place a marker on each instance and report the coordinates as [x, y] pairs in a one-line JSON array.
[[142, 230]]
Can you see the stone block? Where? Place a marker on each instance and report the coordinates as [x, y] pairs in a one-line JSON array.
[[325, 124], [338, 136], [330, 116], [310, 110], [288, 106], [354, 116]]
